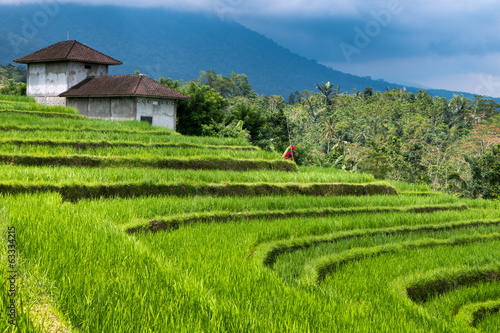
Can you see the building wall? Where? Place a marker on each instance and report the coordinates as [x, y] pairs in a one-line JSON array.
[[162, 111], [36, 80], [50, 100], [56, 79], [107, 108], [123, 108], [47, 80], [79, 71], [82, 104]]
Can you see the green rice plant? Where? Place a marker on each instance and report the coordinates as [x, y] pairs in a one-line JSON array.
[[139, 210], [26, 126], [130, 136], [174, 222], [29, 123], [474, 311], [112, 287], [16, 98], [489, 321], [369, 284], [101, 279], [74, 192], [15, 106], [14, 299], [268, 253], [144, 151], [315, 272], [87, 175], [26, 145], [418, 288], [43, 114], [201, 163], [113, 276], [403, 187], [343, 304]]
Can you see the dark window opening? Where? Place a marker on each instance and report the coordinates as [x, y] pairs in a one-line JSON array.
[[88, 66], [149, 120]]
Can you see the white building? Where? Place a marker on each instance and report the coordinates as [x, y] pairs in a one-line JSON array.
[[73, 74]]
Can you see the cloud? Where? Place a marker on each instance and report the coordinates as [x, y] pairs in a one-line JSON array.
[[301, 8], [468, 73], [442, 44], [184, 5]]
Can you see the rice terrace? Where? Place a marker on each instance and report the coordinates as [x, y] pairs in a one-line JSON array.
[[127, 227]]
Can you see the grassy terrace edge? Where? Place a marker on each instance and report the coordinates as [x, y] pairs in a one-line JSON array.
[[472, 314], [104, 144], [45, 114], [165, 163], [418, 288], [268, 253], [317, 270], [175, 222], [7, 128], [73, 192]]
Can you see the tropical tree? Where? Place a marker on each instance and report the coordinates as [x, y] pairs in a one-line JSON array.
[[326, 90], [328, 131], [204, 107], [169, 82]]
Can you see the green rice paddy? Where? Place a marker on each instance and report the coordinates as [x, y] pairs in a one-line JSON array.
[[413, 261]]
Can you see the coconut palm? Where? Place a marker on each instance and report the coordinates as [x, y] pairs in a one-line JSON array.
[[328, 131], [326, 90]]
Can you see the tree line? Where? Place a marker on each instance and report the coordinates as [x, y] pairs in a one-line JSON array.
[[13, 79], [449, 144]]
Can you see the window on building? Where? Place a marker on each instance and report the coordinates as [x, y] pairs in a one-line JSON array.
[[149, 120]]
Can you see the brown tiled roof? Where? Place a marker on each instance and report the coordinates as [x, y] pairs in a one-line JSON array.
[[122, 85], [70, 50]]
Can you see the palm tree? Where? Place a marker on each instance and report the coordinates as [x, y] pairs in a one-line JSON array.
[[328, 131], [326, 90], [459, 111]]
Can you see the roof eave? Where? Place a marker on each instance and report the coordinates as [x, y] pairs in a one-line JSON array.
[[166, 97], [19, 61], [127, 95]]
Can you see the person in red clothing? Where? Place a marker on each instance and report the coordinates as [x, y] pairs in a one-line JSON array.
[[290, 153]]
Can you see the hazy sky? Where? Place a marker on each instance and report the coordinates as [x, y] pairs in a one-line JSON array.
[[445, 44]]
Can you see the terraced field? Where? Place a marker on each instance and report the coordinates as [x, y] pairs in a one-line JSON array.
[[265, 247]]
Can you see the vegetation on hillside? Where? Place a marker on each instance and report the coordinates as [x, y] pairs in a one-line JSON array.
[[398, 135], [12, 80]]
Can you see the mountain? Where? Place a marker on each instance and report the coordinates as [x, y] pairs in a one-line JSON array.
[[163, 43]]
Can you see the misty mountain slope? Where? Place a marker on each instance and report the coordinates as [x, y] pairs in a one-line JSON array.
[[165, 43]]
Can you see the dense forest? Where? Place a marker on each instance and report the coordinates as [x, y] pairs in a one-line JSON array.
[[450, 144], [13, 79]]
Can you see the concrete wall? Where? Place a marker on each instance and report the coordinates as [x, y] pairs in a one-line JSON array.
[[79, 71], [123, 108], [47, 80], [163, 111], [82, 104], [37, 80], [50, 100], [56, 78], [107, 108]]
